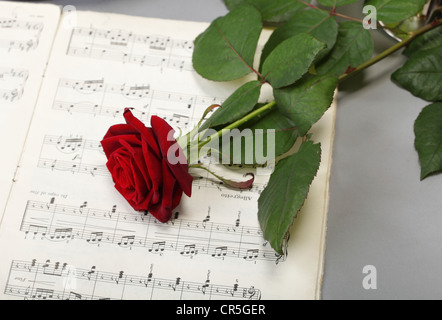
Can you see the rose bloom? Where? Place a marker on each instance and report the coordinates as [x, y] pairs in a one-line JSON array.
[[137, 161]]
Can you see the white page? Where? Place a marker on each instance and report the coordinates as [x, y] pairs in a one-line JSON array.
[[26, 35], [68, 233]]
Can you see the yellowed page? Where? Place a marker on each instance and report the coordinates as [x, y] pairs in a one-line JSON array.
[[68, 233]]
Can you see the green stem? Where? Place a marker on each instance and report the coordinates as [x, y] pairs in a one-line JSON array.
[[343, 77], [238, 123], [391, 50]]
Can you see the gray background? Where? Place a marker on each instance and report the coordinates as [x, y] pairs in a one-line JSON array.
[[380, 213]]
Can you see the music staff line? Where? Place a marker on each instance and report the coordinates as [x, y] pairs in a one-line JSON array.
[[19, 35], [21, 45], [14, 73], [12, 83], [124, 38], [13, 23], [128, 47], [189, 238], [101, 170], [175, 119], [141, 95], [55, 281], [72, 151], [72, 144], [135, 91]]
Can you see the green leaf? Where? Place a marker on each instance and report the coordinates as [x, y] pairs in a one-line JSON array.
[[306, 101], [285, 130], [286, 192], [226, 49], [291, 59], [353, 47], [272, 11], [241, 102], [422, 74], [429, 40], [255, 134], [391, 11], [336, 3], [317, 23], [428, 142]]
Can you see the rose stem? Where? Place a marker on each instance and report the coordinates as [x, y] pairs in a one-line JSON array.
[[238, 123], [391, 50], [343, 77]]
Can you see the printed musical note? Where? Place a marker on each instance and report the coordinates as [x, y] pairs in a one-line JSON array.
[[189, 250], [207, 218], [95, 237], [94, 284], [19, 34], [235, 289], [220, 252], [12, 83], [72, 155], [74, 296], [149, 276], [13, 23], [206, 284], [251, 254], [91, 272], [61, 234], [158, 246], [36, 229], [99, 98], [176, 284], [43, 294], [238, 220], [126, 241], [60, 222], [126, 47]]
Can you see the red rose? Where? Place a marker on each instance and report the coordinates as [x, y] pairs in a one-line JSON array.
[[137, 161]]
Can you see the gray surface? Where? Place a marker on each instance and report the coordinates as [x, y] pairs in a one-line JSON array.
[[380, 213], [193, 10]]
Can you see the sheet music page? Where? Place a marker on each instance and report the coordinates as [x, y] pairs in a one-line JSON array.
[[26, 35], [68, 234]]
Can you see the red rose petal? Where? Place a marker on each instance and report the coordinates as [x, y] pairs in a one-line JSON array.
[[140, 160], [168, 186], [160, 213], [177, 195], [139, 185], [138, 156], [126, 179], [112, 144], [141, 128], [119, 130], [144, 206], [163, 211], [162, 130], [153, 165], [127, 194]]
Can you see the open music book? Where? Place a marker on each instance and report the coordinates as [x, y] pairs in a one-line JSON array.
[[65, 232]]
